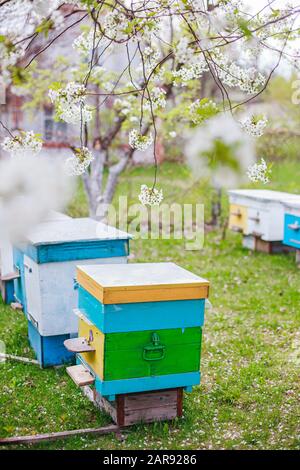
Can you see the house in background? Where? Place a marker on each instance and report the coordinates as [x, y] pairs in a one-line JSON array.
[[56, 135]]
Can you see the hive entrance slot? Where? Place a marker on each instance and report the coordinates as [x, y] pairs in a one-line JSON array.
[[80, 375], [78, 345]]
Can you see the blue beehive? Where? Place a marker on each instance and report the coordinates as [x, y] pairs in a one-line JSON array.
[[292, 223], [47, 262]]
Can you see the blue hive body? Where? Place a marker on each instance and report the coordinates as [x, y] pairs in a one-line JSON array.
[[292, 223], [47, 264]]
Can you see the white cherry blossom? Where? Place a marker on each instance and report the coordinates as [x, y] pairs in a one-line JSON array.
[[150, 196], [254, 126], [139, 141], [79, 162], [259, 172], [26, 143]]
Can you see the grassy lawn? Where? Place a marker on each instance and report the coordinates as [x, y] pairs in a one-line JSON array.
[[249, 395]]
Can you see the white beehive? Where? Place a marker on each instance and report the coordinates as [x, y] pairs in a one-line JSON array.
[[258, 212]]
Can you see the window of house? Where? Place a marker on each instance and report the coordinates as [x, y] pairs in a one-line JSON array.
[[54, 131]]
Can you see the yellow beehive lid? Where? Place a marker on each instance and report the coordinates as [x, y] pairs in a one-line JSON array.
[[141, 282]]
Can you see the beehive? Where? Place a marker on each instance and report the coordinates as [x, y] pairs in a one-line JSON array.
[[47, 264], [292, 225], [258, 213], [140, 326], [8, 272]]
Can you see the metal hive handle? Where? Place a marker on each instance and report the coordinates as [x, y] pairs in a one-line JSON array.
[[154, 346]]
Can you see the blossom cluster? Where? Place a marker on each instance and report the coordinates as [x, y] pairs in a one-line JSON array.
[[124, 105], [138, 141], [9, 56], [249, 80], [23, 144], [259, 172], [150, 196], [21, 19], [183, 53], [119, 27], [151, 59], [158, 99], [254, 126], [272, 28], [73, 92], [191, 71], [79, 162], [43, 8], [70, 103], [191, 65], [85, 42], [114, 26]]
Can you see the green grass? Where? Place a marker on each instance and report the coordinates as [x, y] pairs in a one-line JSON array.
[[249, 395]]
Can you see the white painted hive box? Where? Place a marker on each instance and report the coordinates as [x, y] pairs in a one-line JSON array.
[[51, 254], [258, 212], [6, 248]]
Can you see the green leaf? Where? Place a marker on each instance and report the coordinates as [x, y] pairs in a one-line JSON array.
[[45, 27], [18, 75], [243, 25], [55, 86]]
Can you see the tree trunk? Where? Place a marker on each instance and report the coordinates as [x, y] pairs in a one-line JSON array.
[[93, 182], [110, 188], [98, 196]]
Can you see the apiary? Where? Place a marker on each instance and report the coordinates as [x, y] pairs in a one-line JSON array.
[[259, 216], [140, 328], [47, 261]]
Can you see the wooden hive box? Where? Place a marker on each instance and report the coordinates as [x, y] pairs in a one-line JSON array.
[[292, 225], [258, 213], [144, 322], [47, 263]]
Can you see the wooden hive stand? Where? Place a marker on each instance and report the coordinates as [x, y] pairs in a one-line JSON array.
[[271, 247], [255, 243], [131, 408], [143, 407]]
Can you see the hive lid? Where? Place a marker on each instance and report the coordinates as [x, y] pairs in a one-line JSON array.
[[141, 282], [56, 216], [73, 230], [265, 195], [292, 203]]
